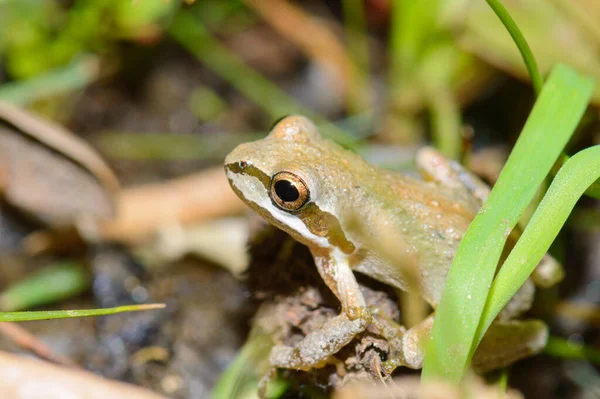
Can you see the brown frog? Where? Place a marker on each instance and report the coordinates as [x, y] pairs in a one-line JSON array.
[[316, 191]]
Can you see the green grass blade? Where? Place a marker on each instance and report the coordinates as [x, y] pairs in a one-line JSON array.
[[411, 26], [560, 347], [445, 121], [519, 39], [187, 29], [551, 123], [51, 284], [592, 191], [528, 57], [531, 65], [74, 76], [357, 43], [70, 314], [571, 181]]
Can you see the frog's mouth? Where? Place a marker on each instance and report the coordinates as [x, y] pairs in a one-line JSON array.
[[310, 226]]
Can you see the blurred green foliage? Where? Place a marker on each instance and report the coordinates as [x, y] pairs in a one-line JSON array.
[[40, 35]]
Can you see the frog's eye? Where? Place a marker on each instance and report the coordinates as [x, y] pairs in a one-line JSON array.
[[289, 191]]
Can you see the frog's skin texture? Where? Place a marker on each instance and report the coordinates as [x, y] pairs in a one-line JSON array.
[[332, 189]]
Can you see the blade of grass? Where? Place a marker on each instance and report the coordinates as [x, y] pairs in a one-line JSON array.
[[170, 147], [531, 64], [242, 376], [187, 29], [76, 75], [503, 383], [592, 191], [436, 72], [357, 41], [568, 186], [564, 349], [70, 314], [519, 39], [446, 120], [52, 284], [558, 110], [411, 29], [193, 35]]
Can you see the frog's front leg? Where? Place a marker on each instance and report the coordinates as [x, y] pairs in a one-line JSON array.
[[317, 347]]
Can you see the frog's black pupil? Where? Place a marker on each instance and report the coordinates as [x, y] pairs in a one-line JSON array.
[[286, 191]]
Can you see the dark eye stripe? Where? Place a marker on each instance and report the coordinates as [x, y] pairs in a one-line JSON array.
[[324, 224], [318, 222], [243, 168]]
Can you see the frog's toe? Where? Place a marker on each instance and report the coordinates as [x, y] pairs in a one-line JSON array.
[[316, 349], [413, 344], [357, 312], [301, 358], [283, 356]]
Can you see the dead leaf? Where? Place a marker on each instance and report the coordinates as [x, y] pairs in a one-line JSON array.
[[194, 198], [49, 173], [22, 378], [61, 140]]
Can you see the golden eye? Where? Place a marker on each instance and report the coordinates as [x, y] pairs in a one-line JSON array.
[[288, 191]]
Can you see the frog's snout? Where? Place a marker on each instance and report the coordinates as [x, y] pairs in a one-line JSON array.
[[240, 156], [237, 167]]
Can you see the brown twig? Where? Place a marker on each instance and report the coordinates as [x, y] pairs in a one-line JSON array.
[[587, 312], [144, 210], [31, 343], [61, 140], [302, 29], [194, 198]]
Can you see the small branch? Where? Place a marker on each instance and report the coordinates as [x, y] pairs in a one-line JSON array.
[[31, 343]]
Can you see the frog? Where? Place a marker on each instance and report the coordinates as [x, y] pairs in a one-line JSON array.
[[315, 190]]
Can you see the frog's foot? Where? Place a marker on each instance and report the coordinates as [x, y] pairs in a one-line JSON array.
[[393, 333], [316, 349], [504, 343], [412, 347], [546, 274]]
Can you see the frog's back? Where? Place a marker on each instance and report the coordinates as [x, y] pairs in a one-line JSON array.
[[418, 226], [424, 221]]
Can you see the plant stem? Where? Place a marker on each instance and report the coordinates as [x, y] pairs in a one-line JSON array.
[[519, 39]]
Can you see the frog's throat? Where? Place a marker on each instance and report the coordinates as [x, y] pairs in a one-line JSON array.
[[310, 225]]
